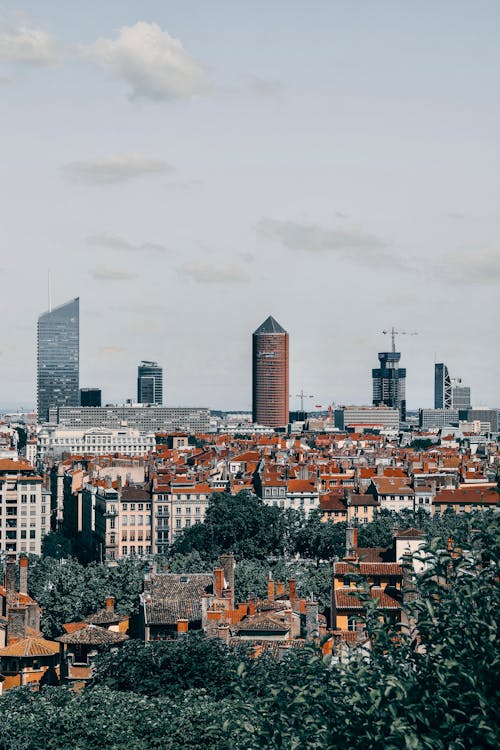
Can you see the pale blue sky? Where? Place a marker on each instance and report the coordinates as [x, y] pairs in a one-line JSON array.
[[334, 164]]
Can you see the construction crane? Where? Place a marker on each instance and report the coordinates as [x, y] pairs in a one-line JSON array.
[[393, 333], [302, 396]]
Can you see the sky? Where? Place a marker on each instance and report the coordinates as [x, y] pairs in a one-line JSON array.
[[188, 168]]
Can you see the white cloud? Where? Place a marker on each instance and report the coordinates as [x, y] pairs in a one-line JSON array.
[[479, 268], [105, 273], [154, 64], [113, 242], [114, 169], [29, 46], [315, 238], [205, 273]]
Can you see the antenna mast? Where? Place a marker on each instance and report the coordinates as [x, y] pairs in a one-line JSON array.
[[49, 290]]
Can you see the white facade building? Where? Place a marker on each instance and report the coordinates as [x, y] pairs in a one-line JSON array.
[[24, 508], [54, 441]]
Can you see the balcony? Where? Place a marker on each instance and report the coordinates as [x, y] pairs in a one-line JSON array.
[[162, 514]]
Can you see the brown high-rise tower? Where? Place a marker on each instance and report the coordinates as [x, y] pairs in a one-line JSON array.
[[270, 374]]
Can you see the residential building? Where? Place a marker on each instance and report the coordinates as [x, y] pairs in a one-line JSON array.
[[270, 400], [466, 500], [147, 418], [149, 383], [24, 508], [58, 358], [392, 493]]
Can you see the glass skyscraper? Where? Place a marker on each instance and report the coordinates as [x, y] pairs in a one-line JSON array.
[[442, 387], [58, 358], [389, 382], [150, 383]]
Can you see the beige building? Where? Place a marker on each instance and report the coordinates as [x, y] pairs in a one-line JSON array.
[[24, 508]]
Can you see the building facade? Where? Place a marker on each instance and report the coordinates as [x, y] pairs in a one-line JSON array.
[[442, 387], [24, 508], [376, 417], [58, 358], [437, 417], [147, 418], [389, 383], [149, 383], [90, 397], [54, 441], [270, 351]]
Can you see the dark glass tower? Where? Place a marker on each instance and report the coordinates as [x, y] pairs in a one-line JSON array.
[[270, 405], [389, 383], [442, 387], [150, 383], [58, 358]]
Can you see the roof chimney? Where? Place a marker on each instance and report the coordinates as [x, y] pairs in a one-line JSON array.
[[110, 604], [23, 574], [10, 574], [270, 588]]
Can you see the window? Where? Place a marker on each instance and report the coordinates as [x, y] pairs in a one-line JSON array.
[[24, 498], [188, 511], [178, 511], [132, 521], [141, 521], [32, 534], [197, 511], [132, 506], [124, 520], [140, 506], [124, 550], [178, 523], [32, 498], [188, 523]]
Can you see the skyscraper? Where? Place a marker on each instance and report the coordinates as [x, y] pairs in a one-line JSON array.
[[442, 387], [149, 383], [270, 374], [58, 358], [389, 382], [460, 395]]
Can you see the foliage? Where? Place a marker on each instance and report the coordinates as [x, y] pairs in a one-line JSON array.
[[22, 438], [56, 545], [423, 444], [68, 591], [430, 683]]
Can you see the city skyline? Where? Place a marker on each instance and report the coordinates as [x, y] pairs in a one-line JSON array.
[[340, 172]]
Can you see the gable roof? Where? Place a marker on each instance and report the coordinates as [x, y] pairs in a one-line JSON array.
[[30, 647]]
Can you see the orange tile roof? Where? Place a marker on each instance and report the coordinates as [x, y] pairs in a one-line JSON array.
[[30, 647], [349, 599], [369, 569]]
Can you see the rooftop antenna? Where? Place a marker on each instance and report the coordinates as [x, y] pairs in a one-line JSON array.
[[49, 290]]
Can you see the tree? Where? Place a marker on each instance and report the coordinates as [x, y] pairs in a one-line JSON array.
[[56, 545]]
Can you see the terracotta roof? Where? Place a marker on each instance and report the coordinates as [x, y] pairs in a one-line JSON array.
[[92, 635], [173, 586], [105, 617], [349, 598], [469, 495], [30, 647], [264, 622], [301, 485], [168, 612], [392, 485], [369, 569], [71, 627]]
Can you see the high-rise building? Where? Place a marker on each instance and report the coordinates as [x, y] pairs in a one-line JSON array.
[[389, 383], [442, 387], [149, 383], [270, 374], [90, 396], [58, 358], [460, 395]]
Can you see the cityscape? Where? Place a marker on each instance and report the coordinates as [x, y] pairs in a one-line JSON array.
[[253, 500]]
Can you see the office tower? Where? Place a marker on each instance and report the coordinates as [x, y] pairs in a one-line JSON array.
[[58, 358], [389, 382], [90, 396], [442, 387], [270, 374], [149, 383], [460, 395]]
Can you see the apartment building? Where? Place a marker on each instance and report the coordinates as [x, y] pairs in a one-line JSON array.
[[24, 508], [53, 441]]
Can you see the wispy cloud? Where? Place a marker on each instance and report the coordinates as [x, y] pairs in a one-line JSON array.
[[113, 170], [478, 268], [111, 274], [154, 64], [114, 242], [316, 238], [354, 244], [28, 46], [205, 273]]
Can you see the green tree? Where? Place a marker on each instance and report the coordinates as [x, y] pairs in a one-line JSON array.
[[56, 545]]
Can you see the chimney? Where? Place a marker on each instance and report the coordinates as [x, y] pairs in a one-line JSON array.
[[10, 574], [182, 626], [350, 541], [110, 604], [206, 601], [251, 606], [292, 590], [280, 589], [23, 574], [223, 633], [270, 588], [219, 582], [228, 565], [312, 620]]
